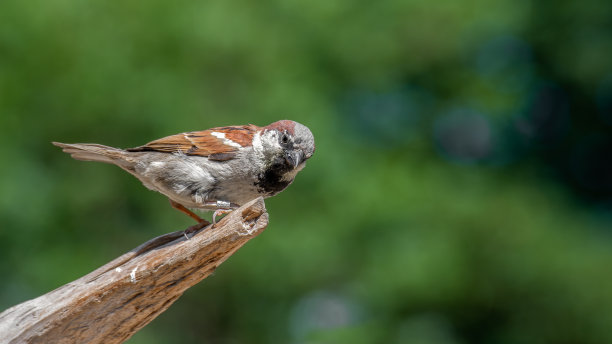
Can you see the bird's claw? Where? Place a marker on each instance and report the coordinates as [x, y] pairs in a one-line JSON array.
[[219, 212]]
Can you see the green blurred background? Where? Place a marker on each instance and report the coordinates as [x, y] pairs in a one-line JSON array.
[[460, 192]]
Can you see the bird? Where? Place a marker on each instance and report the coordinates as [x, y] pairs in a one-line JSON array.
[[217, 169]]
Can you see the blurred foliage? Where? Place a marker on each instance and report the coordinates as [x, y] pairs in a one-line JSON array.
[[460, 192]]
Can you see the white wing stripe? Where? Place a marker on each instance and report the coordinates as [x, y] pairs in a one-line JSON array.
[[225, 140]]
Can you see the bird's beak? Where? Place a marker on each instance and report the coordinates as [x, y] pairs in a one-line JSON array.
[[294, 158]]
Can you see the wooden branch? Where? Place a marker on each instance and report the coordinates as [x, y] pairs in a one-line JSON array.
[[113, 302]]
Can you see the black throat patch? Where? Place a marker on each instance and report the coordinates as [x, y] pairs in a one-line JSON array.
[[271, 182]]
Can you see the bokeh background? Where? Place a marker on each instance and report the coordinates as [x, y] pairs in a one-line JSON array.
[[460, 192]]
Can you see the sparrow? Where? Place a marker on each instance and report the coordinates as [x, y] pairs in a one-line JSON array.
[[217, 169]]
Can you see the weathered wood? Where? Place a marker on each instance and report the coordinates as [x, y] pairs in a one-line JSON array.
[[113, 302]]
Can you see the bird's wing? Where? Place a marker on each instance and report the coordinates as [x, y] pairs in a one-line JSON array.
[[220, 143]]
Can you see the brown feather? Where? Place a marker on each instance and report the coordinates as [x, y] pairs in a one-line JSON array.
[[282, 126], [242, 135], [203, 143]]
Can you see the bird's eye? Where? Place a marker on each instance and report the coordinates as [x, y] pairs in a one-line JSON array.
[[284, 138]]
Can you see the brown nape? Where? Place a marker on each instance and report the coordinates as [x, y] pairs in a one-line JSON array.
[[186, 211]]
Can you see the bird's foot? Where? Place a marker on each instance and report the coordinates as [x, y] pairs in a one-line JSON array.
[[219, 212], [223, 207]]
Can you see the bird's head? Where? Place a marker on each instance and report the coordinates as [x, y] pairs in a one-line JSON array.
[[286, 145]]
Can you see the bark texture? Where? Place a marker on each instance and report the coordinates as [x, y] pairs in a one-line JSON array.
[[113, 302]]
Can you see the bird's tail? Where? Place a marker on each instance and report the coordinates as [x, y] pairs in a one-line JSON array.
[[94, 152]]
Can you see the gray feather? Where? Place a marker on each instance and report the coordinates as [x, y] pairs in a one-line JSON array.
[[94, 152]]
